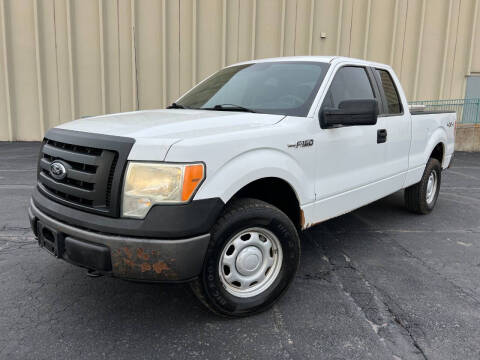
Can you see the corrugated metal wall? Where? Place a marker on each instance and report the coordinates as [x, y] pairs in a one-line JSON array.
[[63, 59]]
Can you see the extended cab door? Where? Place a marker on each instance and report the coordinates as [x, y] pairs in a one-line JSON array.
[[353, 162], [397, 123]]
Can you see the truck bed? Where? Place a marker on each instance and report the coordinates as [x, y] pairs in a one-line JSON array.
[[423, 112]]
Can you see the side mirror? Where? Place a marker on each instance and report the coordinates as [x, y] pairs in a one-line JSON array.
[[350, 113]]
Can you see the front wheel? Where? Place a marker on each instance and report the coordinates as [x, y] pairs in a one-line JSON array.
[[252, 258], [422, 197]]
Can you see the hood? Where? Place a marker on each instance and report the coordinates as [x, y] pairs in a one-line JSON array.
[[155, 131], [175, 124]]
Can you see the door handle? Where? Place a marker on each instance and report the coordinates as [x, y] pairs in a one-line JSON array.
[[381, 136]]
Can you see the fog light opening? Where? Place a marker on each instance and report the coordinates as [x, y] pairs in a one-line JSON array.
[[48, 235]]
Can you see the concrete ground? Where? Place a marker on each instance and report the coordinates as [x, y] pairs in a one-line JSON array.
[[377, 283]]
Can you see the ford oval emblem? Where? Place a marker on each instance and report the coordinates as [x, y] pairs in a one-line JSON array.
[[58, 170]]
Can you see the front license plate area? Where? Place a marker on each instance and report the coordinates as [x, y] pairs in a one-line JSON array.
[[50, 239]]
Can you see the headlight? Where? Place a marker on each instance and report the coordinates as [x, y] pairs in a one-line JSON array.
[[147, 184]]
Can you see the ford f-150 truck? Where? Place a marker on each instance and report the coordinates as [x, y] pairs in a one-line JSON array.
[[216, 188]]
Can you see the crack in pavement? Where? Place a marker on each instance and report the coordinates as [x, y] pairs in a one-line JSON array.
[[372, 304], [413, 256], [406, 327], [436, 272]]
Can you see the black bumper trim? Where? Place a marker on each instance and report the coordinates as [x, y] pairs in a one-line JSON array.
[[135, 258], [87, 254], [162, 221]]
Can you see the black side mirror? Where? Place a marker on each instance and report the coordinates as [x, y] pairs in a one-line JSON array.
[[350, 113]]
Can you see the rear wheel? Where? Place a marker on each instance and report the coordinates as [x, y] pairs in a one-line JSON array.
[[252, 258], [422, 197]]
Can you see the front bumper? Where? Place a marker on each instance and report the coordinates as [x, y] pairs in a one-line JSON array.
[[137, 258], [162, 221]]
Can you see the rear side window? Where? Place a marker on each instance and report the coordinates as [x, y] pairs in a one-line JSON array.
[[349, 83], [391, 94]]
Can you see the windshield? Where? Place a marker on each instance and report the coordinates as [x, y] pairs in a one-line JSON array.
[[286, 88]]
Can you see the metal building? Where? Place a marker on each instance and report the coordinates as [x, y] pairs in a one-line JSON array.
[[63, 59]]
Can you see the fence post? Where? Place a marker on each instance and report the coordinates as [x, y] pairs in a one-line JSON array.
[[478, 112], [468, 110]]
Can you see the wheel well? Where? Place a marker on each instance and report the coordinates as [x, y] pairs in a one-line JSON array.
[[274, 191], [438, 152]]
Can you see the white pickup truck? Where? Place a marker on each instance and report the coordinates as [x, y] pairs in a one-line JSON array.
[[216, 188]]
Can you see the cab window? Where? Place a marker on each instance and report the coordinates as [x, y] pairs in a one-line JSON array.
[[349, 83], [394, 106]]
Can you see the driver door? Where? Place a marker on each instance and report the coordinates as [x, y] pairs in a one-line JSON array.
[[351, 162]]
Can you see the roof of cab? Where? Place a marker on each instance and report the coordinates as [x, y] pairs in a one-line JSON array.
[[324, 59]]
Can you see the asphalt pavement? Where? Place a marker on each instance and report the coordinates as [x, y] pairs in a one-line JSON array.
[[378, 283]]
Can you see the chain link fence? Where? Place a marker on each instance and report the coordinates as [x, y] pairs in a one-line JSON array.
[[468, 110]]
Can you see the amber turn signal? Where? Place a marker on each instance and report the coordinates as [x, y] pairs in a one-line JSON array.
[[192, 178]]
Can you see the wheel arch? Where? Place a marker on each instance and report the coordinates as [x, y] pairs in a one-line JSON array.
[[226, 179], [277, 192], [436, 146], [261, 173], [438, 152]]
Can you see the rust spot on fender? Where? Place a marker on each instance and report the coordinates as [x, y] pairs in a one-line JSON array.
[[311, 225], [128, 252], [129, 262], [307, 225], [160, 266], [146, 267], [142, 255]]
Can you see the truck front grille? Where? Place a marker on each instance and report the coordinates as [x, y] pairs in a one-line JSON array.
[[94, 168]]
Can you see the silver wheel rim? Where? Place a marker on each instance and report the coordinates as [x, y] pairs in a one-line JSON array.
[[250, 262], [431, 187]]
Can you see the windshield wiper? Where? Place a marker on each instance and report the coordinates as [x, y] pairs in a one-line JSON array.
[[177, 106], [230, 107]]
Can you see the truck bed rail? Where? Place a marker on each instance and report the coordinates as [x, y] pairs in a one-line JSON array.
[[468, 110]]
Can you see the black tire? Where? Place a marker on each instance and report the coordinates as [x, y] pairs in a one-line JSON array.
[[416, 195], [243, 214]]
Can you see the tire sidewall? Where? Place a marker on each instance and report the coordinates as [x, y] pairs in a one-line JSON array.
[[267, 218], [433, 165]]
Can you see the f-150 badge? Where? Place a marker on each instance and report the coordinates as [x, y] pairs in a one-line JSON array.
[[301, 143]]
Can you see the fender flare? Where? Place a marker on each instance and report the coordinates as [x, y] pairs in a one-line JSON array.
[[439, 136], [245, 168]]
